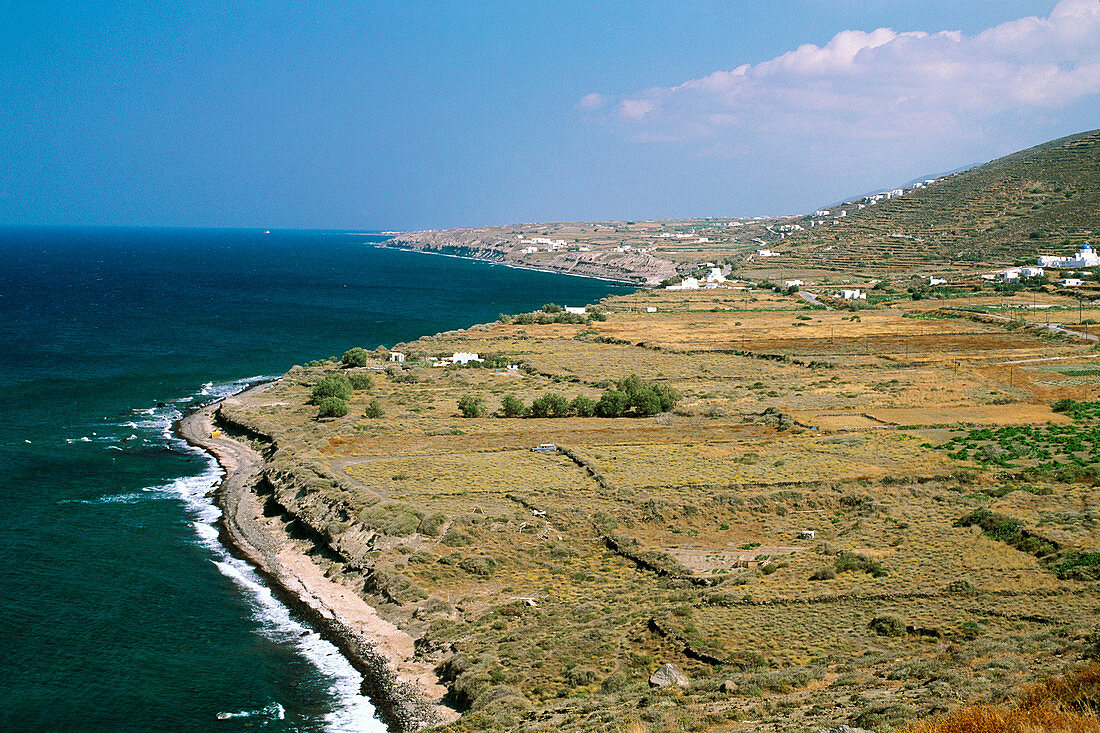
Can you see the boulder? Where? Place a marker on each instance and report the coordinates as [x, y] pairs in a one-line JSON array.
[[728, 687], [668, 675]]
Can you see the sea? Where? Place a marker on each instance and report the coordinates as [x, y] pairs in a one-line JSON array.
[[119, 609]]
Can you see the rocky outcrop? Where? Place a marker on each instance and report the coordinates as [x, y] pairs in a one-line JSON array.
[[669, 675]]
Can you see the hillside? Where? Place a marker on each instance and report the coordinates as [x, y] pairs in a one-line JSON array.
[[1042, 200], [859, 518], [637, 252]]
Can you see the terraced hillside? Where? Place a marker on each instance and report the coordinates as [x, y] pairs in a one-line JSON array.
[[1042, 200], [834, 517]]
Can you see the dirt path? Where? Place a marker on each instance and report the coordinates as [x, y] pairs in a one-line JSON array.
[[406, 691]]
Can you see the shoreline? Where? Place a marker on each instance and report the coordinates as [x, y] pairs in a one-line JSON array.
[[406, 694], [512, 265]]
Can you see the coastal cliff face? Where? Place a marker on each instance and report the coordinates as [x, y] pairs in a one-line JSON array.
[[752, 537], [500, 244]]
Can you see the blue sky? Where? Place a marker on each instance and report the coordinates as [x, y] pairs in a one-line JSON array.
[[408, 115]]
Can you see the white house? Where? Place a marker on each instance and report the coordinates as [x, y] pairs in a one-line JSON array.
[[792, 283], [1031, 271], [529, 250], [1009, 276], [1071, 282], [465, 357], [579, 310], [934, 281], [856, 294], [688, 283], [397, 356], [766, 253], [715, 275], [650, 309]]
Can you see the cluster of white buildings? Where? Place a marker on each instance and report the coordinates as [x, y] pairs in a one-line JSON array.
[[1086, 257], [713, 279], [459, 357], [534, 242], [1014, 274], [688, 283]]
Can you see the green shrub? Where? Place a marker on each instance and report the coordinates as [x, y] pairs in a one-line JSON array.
[[355, 357], [887, 625], [374, 410], [332, 407], [455, 537], [392, 518], [361, 381], [846, 561], [432, 523], [512, 406], [824, 574], [481, 565], [334, 385], [471, 406], [550, 405], [612, 403], [393, 586], [583, 406]]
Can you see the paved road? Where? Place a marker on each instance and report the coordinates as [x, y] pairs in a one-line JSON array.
[[811, 298], [1062, 329]]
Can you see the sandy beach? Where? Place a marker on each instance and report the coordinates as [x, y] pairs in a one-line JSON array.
[[406, 692]]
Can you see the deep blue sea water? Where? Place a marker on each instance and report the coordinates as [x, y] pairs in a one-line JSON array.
[[119, 610]]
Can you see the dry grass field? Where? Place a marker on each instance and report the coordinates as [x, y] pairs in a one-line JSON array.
[[549, 586]]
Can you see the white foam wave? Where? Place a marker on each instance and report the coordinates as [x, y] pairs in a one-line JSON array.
[[132, 498], [352, 711], [274, 711]]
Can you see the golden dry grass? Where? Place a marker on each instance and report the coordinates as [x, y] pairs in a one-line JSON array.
[[708, 484], [1061, 705]]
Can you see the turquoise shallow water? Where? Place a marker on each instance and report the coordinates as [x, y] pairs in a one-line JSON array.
[[120, 610]]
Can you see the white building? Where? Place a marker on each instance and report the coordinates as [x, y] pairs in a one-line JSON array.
[[688, 283], [1009, 276], [934, 281], [1086, 257], [397, 356], [792, 283], [856, 294], [461, 357], [766, 253], [715, 275], [579, 310], [650, 309], [1071, 282], [1031, 271], [529, 250]]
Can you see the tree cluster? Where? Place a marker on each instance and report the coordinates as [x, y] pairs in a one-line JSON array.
[[629, 396], [331, 394]]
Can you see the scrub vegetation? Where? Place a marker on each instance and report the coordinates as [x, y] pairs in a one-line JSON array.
[[818, 520]]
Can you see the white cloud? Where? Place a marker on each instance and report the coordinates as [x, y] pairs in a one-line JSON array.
[[881, 85], [592, 101]]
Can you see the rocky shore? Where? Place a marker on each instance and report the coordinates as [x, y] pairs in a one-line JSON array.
[[499, 244], [406, 692]]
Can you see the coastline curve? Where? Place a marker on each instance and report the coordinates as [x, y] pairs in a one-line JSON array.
[[406, 693]]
